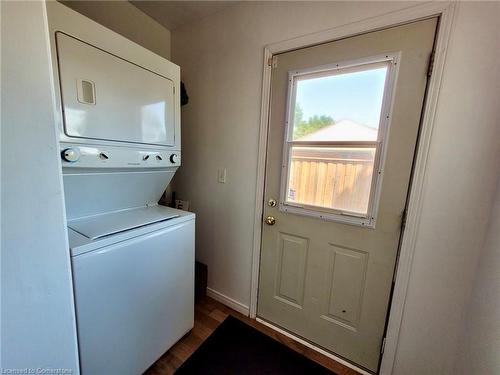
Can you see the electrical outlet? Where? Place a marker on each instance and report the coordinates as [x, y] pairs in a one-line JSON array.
[[221, 175]]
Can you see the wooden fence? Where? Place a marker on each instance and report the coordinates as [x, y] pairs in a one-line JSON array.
[[337, 178]]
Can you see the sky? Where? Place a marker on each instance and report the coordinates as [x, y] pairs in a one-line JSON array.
[[354, 96]]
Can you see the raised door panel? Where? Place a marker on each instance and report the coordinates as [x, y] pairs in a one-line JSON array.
[[291, 269], [346, 281]]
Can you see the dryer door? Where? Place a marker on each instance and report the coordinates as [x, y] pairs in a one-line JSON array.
[[108, 98]]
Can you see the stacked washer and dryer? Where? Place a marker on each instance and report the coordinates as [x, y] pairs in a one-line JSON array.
[[132, 260]]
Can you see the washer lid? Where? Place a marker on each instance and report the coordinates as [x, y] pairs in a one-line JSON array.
[[120, 221]]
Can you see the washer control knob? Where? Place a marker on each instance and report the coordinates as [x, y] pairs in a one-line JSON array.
[[174, 158], [70, 154]]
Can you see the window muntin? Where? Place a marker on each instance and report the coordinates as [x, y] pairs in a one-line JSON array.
[[336, 124]]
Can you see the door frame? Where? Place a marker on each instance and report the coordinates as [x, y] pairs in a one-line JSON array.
[[446, 12]]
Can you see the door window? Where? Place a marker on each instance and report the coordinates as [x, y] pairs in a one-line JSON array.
[[337, 121]]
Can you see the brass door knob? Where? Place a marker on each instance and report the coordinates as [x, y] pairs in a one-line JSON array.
[[270, 220]]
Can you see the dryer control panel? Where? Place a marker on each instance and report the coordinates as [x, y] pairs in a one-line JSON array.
[[78, 156]]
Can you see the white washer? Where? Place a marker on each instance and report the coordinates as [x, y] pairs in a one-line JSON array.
[[133, 281]]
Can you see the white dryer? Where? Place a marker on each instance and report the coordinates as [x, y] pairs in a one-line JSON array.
[[119, 130]]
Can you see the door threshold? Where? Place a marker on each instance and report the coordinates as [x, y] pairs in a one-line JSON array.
[[314, 347]]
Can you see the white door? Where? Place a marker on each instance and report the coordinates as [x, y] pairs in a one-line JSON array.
[[343, 129]]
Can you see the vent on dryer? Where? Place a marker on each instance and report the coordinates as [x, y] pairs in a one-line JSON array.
[[86, 91]]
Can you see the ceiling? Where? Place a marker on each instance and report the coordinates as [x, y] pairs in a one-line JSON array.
[[173, 14]]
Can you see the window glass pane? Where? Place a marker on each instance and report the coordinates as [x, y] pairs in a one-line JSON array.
[[339, 107], [331, 177]]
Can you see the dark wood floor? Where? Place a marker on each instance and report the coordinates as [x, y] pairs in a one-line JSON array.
[[208, 315]]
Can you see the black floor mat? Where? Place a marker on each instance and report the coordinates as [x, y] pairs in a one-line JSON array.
[[236, 348]]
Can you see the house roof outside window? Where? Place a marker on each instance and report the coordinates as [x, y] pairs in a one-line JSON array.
[[343, 130]]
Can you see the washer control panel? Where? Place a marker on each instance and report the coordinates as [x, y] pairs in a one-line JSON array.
[[78, 156]]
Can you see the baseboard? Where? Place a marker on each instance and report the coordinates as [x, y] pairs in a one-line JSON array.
[[229, 302], [314, 347]]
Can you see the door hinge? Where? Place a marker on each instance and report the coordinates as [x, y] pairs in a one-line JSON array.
[[382, 348], [273, 62], [430, 68], [403, 218]]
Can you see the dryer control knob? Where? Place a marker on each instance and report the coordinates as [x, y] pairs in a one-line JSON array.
[[174, 158], [71, 154]]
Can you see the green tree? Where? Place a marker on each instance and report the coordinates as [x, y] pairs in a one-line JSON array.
[[302, 127]]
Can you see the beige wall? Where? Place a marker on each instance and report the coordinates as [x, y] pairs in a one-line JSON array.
[[125, 19], [481, 338], [459, 193], [221, 60]]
